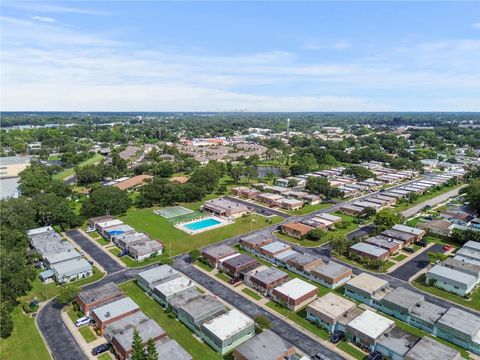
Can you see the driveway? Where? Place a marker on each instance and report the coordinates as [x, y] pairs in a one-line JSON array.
[[59, 339], [432, 202], [95, 251], [285, 330], [360, 233], [419, 262], [259, 209]]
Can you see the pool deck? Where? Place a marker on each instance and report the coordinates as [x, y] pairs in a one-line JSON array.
[[222, 222]]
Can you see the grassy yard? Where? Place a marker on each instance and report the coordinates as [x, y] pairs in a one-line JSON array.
[[204, 266], [400, 257], [175, 329], [25, 341], [223, 277], [473, 302], [299, 318], [351, 350], [101, 240], [307, 209], [44, 292], [87, 333], [105, 356], [127, 260], [252, 293], [158, 228], [70, 171], [343, 258]]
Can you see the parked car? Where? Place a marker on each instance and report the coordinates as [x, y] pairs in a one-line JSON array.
[[422, 243], [318, 356], [97, 350], [83, 321], [447, 247], [375, 356], [336, 337], [233, 281], [123, 253], [90, 229], [409, 250]]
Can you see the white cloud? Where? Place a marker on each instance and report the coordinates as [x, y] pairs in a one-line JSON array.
[[44, 19], [476, 25], [338, 45], [35, 6]]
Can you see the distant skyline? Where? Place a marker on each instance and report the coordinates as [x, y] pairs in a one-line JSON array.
[[229, 56]]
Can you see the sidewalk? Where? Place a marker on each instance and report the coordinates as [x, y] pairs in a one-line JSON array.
[[262, 304]]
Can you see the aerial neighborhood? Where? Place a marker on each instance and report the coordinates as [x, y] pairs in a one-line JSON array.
[[256, 243]]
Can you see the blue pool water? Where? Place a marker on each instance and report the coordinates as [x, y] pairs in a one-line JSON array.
[[202, 224]]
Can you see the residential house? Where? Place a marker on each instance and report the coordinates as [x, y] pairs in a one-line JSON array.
[[367, 289], [369, 251], [199, 310], [294, 294], [426, 347], [331, 274], [367, 329], [216, 253], [98, 296], [71, 270], [389, 244], [302, 264], [451, 280], [233, 266], [145, 249], [296, 230], [396, 343], [148, 279], [418, 233], [254, 242], [461, 328], [265, 346], [351, 210], [265, 279], [327, 310], [163, 292], [400, 302], [116, 310], [437, 227], [274, 248], [171, 350]]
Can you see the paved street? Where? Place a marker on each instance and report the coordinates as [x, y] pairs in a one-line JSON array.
[[95, 251], [282, 328], [59, 339], [432, 202], [360, 233], [419, 262]]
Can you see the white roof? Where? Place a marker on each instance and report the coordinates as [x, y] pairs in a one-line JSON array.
[[367, 282], [371, 324], [71, 267], [105, 224], [453, 275], [295, 288], [176, 285], [39, 230], [275, 247], [115, 309], [323, 221], [408, 229], [329, 217], [62, 256], [332, 305], [475, 245], [228, 324]]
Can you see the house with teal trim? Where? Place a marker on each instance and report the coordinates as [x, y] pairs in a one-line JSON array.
[[451, 280], [228, 331], [328, 310], [395, 344], [461, 328], [400, 302], [367, 289], [425, 315], [197, 311], [367, 328]]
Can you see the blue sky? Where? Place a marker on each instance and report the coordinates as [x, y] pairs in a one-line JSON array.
[[254, 56]]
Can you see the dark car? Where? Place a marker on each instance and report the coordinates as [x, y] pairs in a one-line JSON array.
[[97, 350], [409, 250], [234, 281], [422, 243], [336, 337], [375, 356], [318, 356], [123, 253]]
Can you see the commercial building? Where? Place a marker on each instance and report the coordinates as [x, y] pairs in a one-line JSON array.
[[294, 294], [461, 328], [148, 279], [426, 347], [165, 291], [255, 242], [225, 208], [327, 310], [171, 350], [296, 230], [369, 251], [71, 270], [396, 343], [265, 346], [367, 328], [98, 296], [199, 310], [331, 274], [116, 310], [145, 249], [367, 289], [214, 254], [122, 342], [265, 280], [228, 331], [418, 233], [233, 266], [451, 280]]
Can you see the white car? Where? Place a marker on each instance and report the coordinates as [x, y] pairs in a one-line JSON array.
[[83, 321], [90, 229]]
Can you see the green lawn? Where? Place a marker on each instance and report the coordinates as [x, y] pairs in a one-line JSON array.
[[87, 333], [102, 241], [307, 209], [204, 266], [127, 260], [343, 258], [70, 171], [25, 341], [44, 292], [252, 293], [400, 257], [158, 228], [299, 318], [104, 356], [223, 277], [175, 329], [473, 302], [351, 350]]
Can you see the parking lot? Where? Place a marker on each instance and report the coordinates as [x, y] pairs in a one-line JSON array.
[[415, 264]]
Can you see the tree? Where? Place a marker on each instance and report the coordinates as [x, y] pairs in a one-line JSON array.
[[88, 174], [6, 323], [369, 211], [360, 172], [462, 236], [292, 182], [315, 234], [206, 177], [151, 353], [194, 255], [67, 294], [137, 347], [387, 218], [339, 245], [436, 257], [472, 196], [263, 322], [54, 210], [106, 200]]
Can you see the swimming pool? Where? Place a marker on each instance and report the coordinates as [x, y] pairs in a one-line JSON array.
[[202, 224]]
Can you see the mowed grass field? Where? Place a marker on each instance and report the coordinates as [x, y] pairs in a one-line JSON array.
[[158, 228], [70, 171], [25, 341]]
